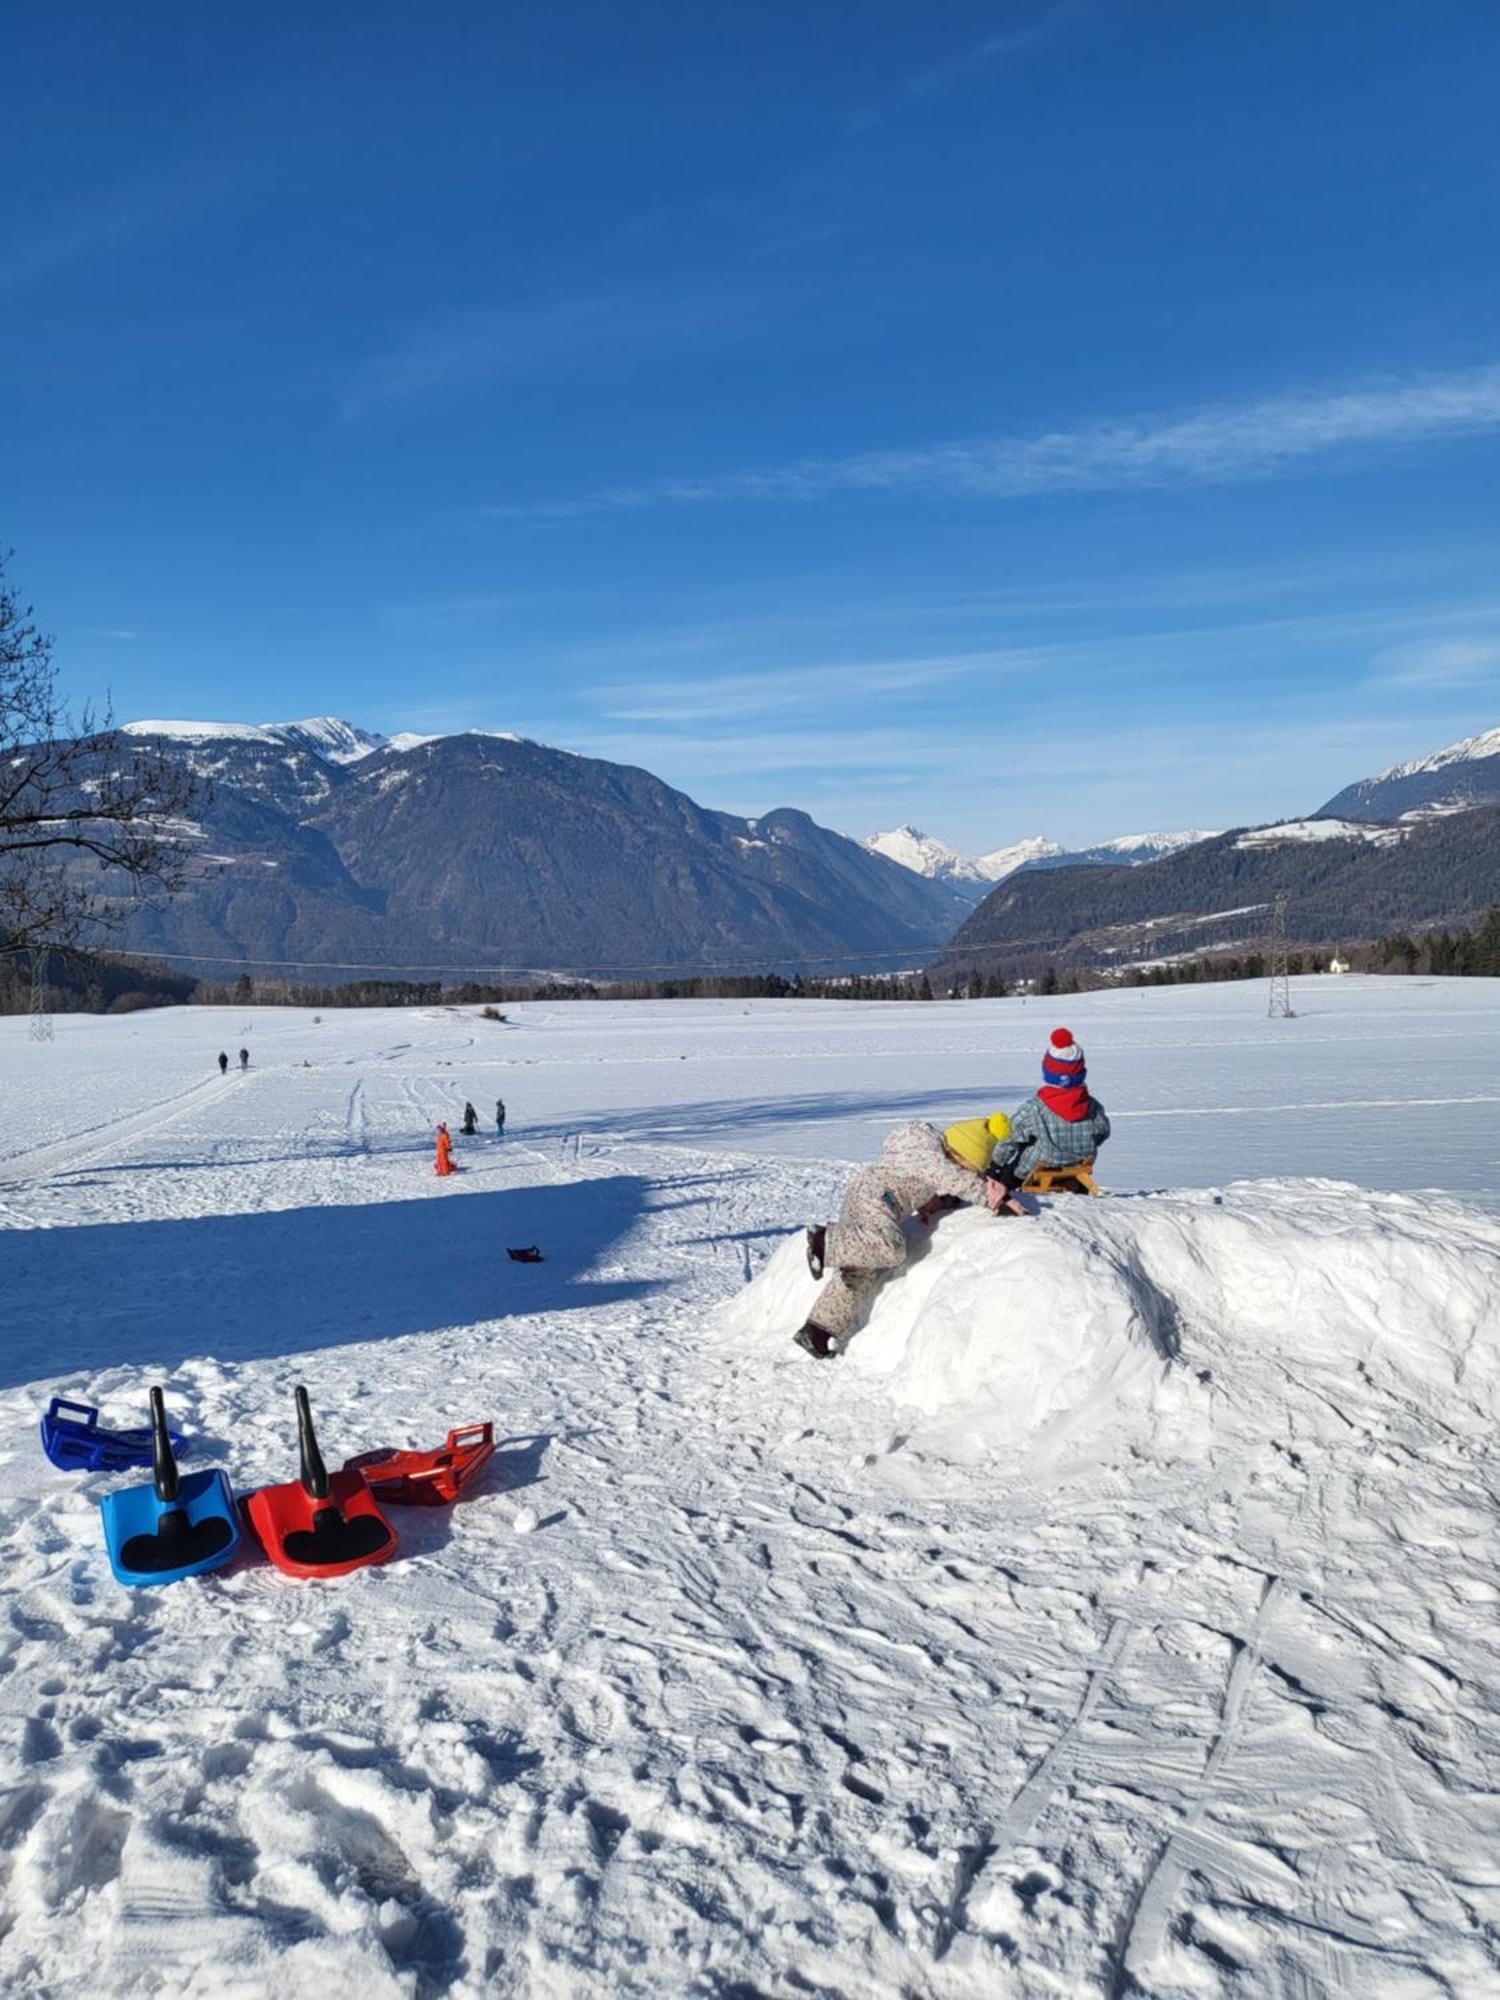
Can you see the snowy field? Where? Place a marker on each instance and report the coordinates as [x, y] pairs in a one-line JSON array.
[[1117, 1618]]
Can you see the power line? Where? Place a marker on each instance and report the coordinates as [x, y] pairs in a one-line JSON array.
[[512, 973]]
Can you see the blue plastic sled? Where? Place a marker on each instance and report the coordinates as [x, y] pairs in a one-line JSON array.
[[76, 1443], [174, 1527]]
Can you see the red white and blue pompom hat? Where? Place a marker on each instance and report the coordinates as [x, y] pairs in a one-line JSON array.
[[1062, 1061]]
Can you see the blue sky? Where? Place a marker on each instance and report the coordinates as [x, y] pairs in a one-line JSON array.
[[1058, 416]]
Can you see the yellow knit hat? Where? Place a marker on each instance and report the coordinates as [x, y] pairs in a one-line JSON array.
[[973, 1139]]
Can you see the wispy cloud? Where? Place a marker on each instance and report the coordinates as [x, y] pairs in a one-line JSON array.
[[1216, 444], [1008, 45], [111, 632], [995, 53], [460, 349], [725, 697], [137, 211], [1431, 664]]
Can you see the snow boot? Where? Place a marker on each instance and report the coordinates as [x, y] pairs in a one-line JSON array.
[[817, 1238], [820, 1344]]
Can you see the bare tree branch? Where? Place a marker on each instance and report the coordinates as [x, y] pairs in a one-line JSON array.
[[85, 811]]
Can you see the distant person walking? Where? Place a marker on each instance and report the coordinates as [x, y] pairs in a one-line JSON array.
[[244, 1059], [223, 1064], [499, 1117], [471, 1121], [443, 1164]]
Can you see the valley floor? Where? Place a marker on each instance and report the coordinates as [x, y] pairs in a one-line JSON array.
[[1117, 1618]]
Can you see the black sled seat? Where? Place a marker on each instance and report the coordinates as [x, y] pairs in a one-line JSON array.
[[317, 1524], [174, 1527]]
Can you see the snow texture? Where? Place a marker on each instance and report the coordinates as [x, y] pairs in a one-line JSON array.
[[1292, 832], [1115, 1618], [1470, 751]]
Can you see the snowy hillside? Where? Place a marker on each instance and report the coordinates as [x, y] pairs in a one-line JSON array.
[[1462, 776], [1115, 1618]]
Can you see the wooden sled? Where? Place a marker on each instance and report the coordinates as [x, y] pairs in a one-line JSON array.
[[1077, 1179]]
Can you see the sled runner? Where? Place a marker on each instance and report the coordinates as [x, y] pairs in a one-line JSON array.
[[1078, 1179], [427, 1478], [77, 1444], [174, 1527], [317, 1525]]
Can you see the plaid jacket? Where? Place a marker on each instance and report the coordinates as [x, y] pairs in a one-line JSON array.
[[1039, 1138]]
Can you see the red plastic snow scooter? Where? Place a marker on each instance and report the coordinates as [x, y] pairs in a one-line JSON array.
[[317, 1526], [427, 1478]]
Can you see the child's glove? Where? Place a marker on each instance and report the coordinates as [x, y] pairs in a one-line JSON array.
[[940, 1204]]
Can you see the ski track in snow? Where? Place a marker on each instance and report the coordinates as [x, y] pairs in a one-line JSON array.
[[796, 1688]]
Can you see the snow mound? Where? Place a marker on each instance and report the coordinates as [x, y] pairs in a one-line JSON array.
[[1125, 1325]]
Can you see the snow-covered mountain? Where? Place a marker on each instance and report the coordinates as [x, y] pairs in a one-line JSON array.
[[1464, 774], [327, 736], [976, 874], [321, 843], [925, 854], [1134, 850]]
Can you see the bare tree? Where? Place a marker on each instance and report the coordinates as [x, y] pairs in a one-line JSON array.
[[86, 814]]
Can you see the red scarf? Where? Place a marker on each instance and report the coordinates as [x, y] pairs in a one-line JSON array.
[[1070, 1102]]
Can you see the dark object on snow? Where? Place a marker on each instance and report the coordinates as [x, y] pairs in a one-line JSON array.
[[821, 1345], [499, 1114], [471, 1122], [244, 1059], [427, 1478], [817, 1243], [316, 1525], [223, 1064], [174, 1527], [527, 1254], [76, 1443]]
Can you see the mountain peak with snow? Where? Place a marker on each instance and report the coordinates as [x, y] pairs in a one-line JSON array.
[[327, 736], [1470, 751], [1453, 779], [925, 854]]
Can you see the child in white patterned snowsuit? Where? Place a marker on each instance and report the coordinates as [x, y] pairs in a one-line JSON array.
[[920, 1172]]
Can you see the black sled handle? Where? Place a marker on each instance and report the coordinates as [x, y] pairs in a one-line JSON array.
[[314, 1471], [163, 1465]]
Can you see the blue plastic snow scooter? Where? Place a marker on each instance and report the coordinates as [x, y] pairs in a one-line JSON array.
[[75, 1442], [174, 1527]]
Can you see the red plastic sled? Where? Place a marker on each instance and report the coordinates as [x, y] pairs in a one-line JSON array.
[[427, 1478], [317, 1526]]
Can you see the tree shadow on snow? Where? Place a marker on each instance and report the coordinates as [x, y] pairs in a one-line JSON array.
[[271, 1283]]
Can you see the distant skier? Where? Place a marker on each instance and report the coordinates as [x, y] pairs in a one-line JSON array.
[[499, 1117], [223, 1063], [921, 1171], [244, 1059], [471, 1121], [443, 1164], [1061, 1126]]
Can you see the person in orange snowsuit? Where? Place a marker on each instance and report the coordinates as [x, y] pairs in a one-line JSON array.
[[443, 1164]]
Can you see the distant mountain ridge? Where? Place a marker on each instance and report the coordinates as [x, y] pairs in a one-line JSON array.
[[1451, 780], [1346, 881], [973, 875], [324, 845]]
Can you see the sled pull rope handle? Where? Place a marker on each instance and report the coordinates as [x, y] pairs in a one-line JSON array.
[[163, 1465], [314, 1471]]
